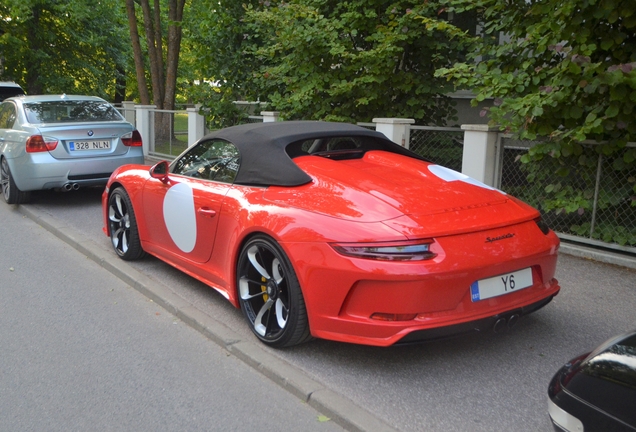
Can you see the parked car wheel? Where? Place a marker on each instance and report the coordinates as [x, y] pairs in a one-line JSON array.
[[123, 226], [270, 295], [10, 192]]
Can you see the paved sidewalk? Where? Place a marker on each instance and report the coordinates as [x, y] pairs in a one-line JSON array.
[[339, 409]]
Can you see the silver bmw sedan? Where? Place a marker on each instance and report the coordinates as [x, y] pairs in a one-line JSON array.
[[61, 142]]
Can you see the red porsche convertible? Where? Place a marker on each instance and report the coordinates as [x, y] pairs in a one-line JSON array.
[[331, 230]]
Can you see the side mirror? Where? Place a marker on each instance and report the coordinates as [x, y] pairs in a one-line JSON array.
[[160, 171]]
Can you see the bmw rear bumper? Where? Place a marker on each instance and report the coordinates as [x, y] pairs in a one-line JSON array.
[[36, 171]]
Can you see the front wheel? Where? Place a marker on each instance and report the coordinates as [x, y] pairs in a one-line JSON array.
[[122, 225], [270, 294], [10, 192]]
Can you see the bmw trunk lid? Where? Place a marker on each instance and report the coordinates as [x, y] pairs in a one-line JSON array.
[[82, 140]]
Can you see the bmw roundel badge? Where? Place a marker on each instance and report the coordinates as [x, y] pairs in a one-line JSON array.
[[90, 133]]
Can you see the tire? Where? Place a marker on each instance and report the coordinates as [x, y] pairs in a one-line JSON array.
[[270, 295], [10, 192], [124, 235]]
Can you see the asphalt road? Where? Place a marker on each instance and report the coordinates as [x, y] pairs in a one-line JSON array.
[[82, 350], [483, 382]]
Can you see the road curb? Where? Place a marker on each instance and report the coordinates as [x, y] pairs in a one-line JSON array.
[[339, 409], [606, 257]]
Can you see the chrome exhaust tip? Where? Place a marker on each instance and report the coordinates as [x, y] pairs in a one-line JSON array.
[[513, 320], [500, 325]]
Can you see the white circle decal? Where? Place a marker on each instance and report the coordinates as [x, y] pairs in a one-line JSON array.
[[450, 175], [178, 213]]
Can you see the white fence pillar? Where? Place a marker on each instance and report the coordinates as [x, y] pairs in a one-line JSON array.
[[146, 126], [270, 116], [196, 125], [129, 111], [397, 130], [480, 152]]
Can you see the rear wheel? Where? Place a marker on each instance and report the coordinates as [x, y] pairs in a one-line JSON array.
[[270, 294], [122, 225], [10, 192]]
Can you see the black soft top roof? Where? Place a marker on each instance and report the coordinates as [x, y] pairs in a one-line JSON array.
[[265, 156]]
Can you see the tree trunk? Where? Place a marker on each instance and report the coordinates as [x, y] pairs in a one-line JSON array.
[[33, 85], [159, 44], [120, 85], [163, 84], [175, 15], [144, 97], [165, 127], [156, 72]]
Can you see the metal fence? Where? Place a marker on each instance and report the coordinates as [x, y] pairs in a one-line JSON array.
[[171, 132], [170, 135], [588, 197], [442, 146]]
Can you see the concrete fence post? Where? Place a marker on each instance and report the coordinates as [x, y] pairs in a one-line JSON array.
[[480, 152], [196, 125], [129, 111], [270, 116], [397, 130], [146, 126]]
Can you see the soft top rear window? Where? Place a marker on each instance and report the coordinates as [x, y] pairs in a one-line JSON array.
[[339, 147], [70, 112]]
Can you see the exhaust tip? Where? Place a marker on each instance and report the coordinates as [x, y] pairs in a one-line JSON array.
[[500, 325], [67, 187], [76, 186], [513, 320]]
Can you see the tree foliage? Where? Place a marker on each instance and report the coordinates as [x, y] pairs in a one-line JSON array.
[[219, 70], [566, 75], [354, 60], [568, 72], [73, 46], [324, 59]]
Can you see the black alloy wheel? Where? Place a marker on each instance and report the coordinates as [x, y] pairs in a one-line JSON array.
[[123, 226], [10, 192], [270, 295]]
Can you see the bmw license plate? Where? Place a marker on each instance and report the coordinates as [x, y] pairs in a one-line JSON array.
[[500, 285], [89, 145]]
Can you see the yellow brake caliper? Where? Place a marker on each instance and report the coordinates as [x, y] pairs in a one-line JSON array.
[[264, 288]]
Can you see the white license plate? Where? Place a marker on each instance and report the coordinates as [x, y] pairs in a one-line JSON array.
[[89, 145], [500, 285]]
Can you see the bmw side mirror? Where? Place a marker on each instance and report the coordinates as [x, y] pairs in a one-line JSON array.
[[160, 171]]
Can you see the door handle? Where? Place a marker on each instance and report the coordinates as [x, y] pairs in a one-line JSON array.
[[206, 211]]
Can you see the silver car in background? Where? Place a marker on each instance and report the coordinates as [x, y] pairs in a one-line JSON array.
[[62, 142]]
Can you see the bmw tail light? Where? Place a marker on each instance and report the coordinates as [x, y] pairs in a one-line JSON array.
[[38, 143], [388, 251], [545, 229], [132, 139]]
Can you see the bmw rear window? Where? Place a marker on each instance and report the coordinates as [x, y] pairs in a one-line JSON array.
[[70, 112]]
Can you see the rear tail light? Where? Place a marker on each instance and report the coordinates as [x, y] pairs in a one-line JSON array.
[[38, 143], [388, 251], [132, 139]]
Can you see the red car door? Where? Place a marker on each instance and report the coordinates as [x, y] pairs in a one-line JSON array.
[[181, 215], [182, 210]]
